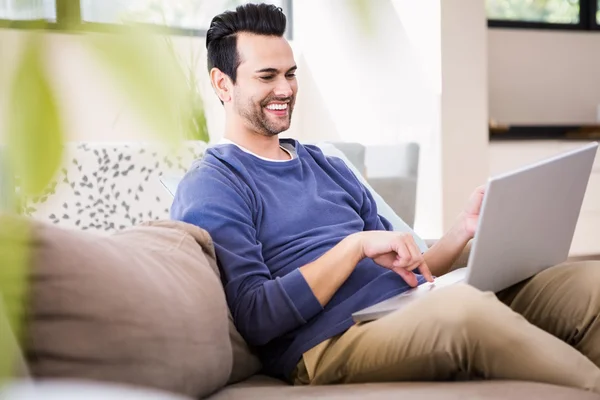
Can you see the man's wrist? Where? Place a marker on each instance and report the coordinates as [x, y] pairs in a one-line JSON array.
[[445, 251], [356, 246], [460, 231]]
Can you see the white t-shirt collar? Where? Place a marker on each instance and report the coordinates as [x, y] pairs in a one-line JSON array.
[[292, 155]]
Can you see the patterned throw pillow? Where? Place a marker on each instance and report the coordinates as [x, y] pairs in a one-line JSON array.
[[105, 187]]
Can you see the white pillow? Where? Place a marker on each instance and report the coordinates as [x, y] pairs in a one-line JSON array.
[[170, 182]]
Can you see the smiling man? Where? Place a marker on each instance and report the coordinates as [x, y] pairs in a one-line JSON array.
[[257, 83], [300, 247]]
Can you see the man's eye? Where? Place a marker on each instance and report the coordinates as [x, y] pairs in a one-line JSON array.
[[290, 76], [267, 78]]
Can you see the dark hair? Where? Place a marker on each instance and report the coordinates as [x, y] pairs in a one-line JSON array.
[[221, 38]]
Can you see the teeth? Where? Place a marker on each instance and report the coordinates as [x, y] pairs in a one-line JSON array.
[[277, 106]]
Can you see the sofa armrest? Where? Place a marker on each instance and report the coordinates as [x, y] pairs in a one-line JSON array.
[[400, 193], [462, 259]]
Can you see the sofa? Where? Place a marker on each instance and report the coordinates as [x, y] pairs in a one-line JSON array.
[[125, 303]]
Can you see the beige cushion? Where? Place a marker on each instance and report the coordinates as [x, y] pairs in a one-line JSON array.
[[141, 307], [264, 388], [245, 362]]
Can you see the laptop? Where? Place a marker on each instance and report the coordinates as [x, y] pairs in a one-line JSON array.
[[526, 225]]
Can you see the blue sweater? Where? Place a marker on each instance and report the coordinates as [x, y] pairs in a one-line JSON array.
[[267, 219]]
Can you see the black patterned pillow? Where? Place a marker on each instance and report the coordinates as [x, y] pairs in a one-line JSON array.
[[104, 187]]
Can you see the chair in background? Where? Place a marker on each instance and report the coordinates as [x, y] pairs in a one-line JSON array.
[[391, 170]]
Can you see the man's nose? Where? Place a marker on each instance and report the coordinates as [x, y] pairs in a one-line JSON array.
[[283, 89]]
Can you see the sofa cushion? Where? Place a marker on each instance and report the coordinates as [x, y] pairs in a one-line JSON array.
[[245, 360], [264, 388], [142, 307]]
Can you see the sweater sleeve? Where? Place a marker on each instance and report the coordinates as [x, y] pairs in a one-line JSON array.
[[368, 211], [263, 308], [368, 206]]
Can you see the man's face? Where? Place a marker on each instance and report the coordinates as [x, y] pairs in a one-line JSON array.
[[265, 90]]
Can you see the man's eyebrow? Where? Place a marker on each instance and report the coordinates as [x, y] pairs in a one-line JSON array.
[[275, 70]]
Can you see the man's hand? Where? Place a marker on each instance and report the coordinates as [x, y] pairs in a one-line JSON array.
[[446, 251], [470, 215], [397, 252]]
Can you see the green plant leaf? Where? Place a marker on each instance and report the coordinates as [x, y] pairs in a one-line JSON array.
[[149, 76], [14, 272], [33, 153], [197, 128], [363, 10], [34, 130]]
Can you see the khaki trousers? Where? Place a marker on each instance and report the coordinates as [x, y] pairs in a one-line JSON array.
[[545, 329]]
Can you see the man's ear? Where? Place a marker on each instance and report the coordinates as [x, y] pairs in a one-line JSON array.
[[221, 84]]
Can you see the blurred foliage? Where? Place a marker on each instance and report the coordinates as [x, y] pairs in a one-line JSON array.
[[35, 147], [362, 9], [552, 11], [194, 120], [148, 75], [14, 256], [192, 117]]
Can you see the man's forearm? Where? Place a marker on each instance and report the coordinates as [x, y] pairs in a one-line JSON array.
[[446, 251], [326, 274]]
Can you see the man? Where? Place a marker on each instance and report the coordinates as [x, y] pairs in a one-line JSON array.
[[301, 247]]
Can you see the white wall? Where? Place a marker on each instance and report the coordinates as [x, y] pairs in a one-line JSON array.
[[544, 77], [418, 75], [464, 139], [373, 82], [377, 83]]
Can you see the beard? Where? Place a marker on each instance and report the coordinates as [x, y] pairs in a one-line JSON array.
[[258, 119]]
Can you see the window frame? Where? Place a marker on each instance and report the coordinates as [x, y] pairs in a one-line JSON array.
[[587, 21], [68, 18]]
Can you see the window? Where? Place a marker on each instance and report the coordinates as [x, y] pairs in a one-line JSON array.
[[549, 11], [544, 14], [28, 10], [186, 14], [178, 16]]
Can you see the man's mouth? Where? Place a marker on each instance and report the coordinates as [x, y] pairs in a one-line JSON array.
[[278, 109]]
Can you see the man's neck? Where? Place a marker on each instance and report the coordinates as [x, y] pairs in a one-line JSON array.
[[264, 146]]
